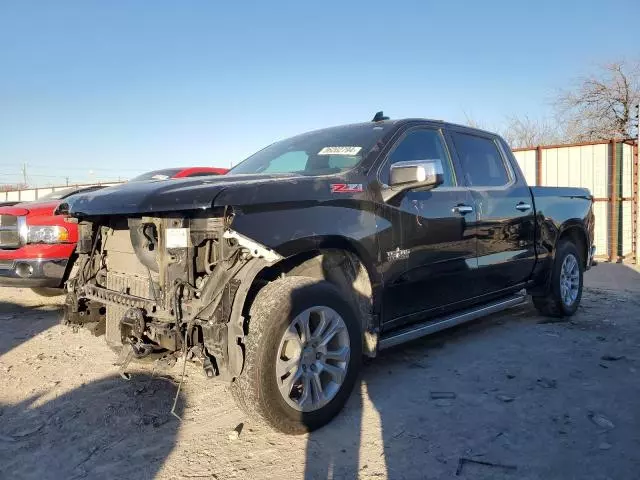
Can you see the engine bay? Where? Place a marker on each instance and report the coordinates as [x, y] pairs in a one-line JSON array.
[[158, 287]]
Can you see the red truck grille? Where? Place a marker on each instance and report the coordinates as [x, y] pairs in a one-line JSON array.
[[9, 231]]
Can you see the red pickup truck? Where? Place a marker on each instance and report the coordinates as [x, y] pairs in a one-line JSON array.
[[37, 243]]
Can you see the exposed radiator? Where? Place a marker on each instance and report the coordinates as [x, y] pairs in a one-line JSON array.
[[129, 285]]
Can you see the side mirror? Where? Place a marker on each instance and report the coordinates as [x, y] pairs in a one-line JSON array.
[[414, 174]]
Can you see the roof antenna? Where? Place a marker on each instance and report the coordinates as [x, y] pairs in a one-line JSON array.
[[379, 117]]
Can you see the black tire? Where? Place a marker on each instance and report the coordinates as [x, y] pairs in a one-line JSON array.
[[48, 291], [552, 304], [256, 391]]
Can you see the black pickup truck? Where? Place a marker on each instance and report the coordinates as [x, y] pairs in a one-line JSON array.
[[279, 276]]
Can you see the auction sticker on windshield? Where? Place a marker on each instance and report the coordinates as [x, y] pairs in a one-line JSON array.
[[340, 151]]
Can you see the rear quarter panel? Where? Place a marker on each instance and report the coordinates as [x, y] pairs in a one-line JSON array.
[[560, 208]]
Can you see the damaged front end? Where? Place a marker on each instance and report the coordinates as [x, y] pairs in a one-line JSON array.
[[160, 286]]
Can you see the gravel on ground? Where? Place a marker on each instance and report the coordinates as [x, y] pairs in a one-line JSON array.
[[511, 396]]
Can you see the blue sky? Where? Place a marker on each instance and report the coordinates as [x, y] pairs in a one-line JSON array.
[[121, 87]]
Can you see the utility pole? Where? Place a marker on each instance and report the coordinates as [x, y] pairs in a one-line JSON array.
[[67, 178], [24, 172]]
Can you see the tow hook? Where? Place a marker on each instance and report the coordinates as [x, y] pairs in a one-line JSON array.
[[130, 350], [197, 354], [141, 350], [132, 324]]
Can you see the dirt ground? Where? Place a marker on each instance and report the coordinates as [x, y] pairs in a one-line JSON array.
[[512, 396]]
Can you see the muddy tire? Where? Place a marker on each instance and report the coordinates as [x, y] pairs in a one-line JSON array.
[[302, 355], [565, 291]]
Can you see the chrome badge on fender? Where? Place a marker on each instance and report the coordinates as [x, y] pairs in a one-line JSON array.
[[397, 254]]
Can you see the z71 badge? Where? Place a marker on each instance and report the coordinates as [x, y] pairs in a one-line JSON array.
[[346, 187], [397, 254]]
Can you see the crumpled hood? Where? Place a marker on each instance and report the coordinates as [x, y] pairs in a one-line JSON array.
[[163, 195]]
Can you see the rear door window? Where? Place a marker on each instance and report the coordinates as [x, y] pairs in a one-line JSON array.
[[480, 160]]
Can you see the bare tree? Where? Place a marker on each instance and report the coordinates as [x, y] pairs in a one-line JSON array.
[[527, 132], [603, 105], [473, 122], [523, 131]]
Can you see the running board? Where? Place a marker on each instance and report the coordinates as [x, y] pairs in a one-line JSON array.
[[423, 329]]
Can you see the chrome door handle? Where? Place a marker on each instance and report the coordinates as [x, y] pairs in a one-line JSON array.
[[462, 209], [523, 207]]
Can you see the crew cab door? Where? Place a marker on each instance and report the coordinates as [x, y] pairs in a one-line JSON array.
[[504, 210], [438, 253]]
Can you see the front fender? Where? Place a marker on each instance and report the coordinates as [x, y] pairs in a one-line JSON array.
[[297, 229]]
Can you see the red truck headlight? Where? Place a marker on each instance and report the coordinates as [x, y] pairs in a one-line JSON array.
[[47, 234]]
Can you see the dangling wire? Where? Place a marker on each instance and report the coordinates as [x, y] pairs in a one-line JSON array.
[[184, 368]]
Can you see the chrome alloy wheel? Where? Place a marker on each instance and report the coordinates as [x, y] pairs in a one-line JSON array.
[[312, 359], [569, 280]]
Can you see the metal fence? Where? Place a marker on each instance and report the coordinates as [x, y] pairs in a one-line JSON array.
[[30, 194], [610, 171]]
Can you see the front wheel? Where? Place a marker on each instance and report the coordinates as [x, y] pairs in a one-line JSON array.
[[565, 290], [302, 355]]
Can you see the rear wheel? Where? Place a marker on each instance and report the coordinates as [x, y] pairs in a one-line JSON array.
[[565, 290], [302, 356]]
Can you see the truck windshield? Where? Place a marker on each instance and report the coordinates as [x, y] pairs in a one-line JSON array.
[[321, 152]]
